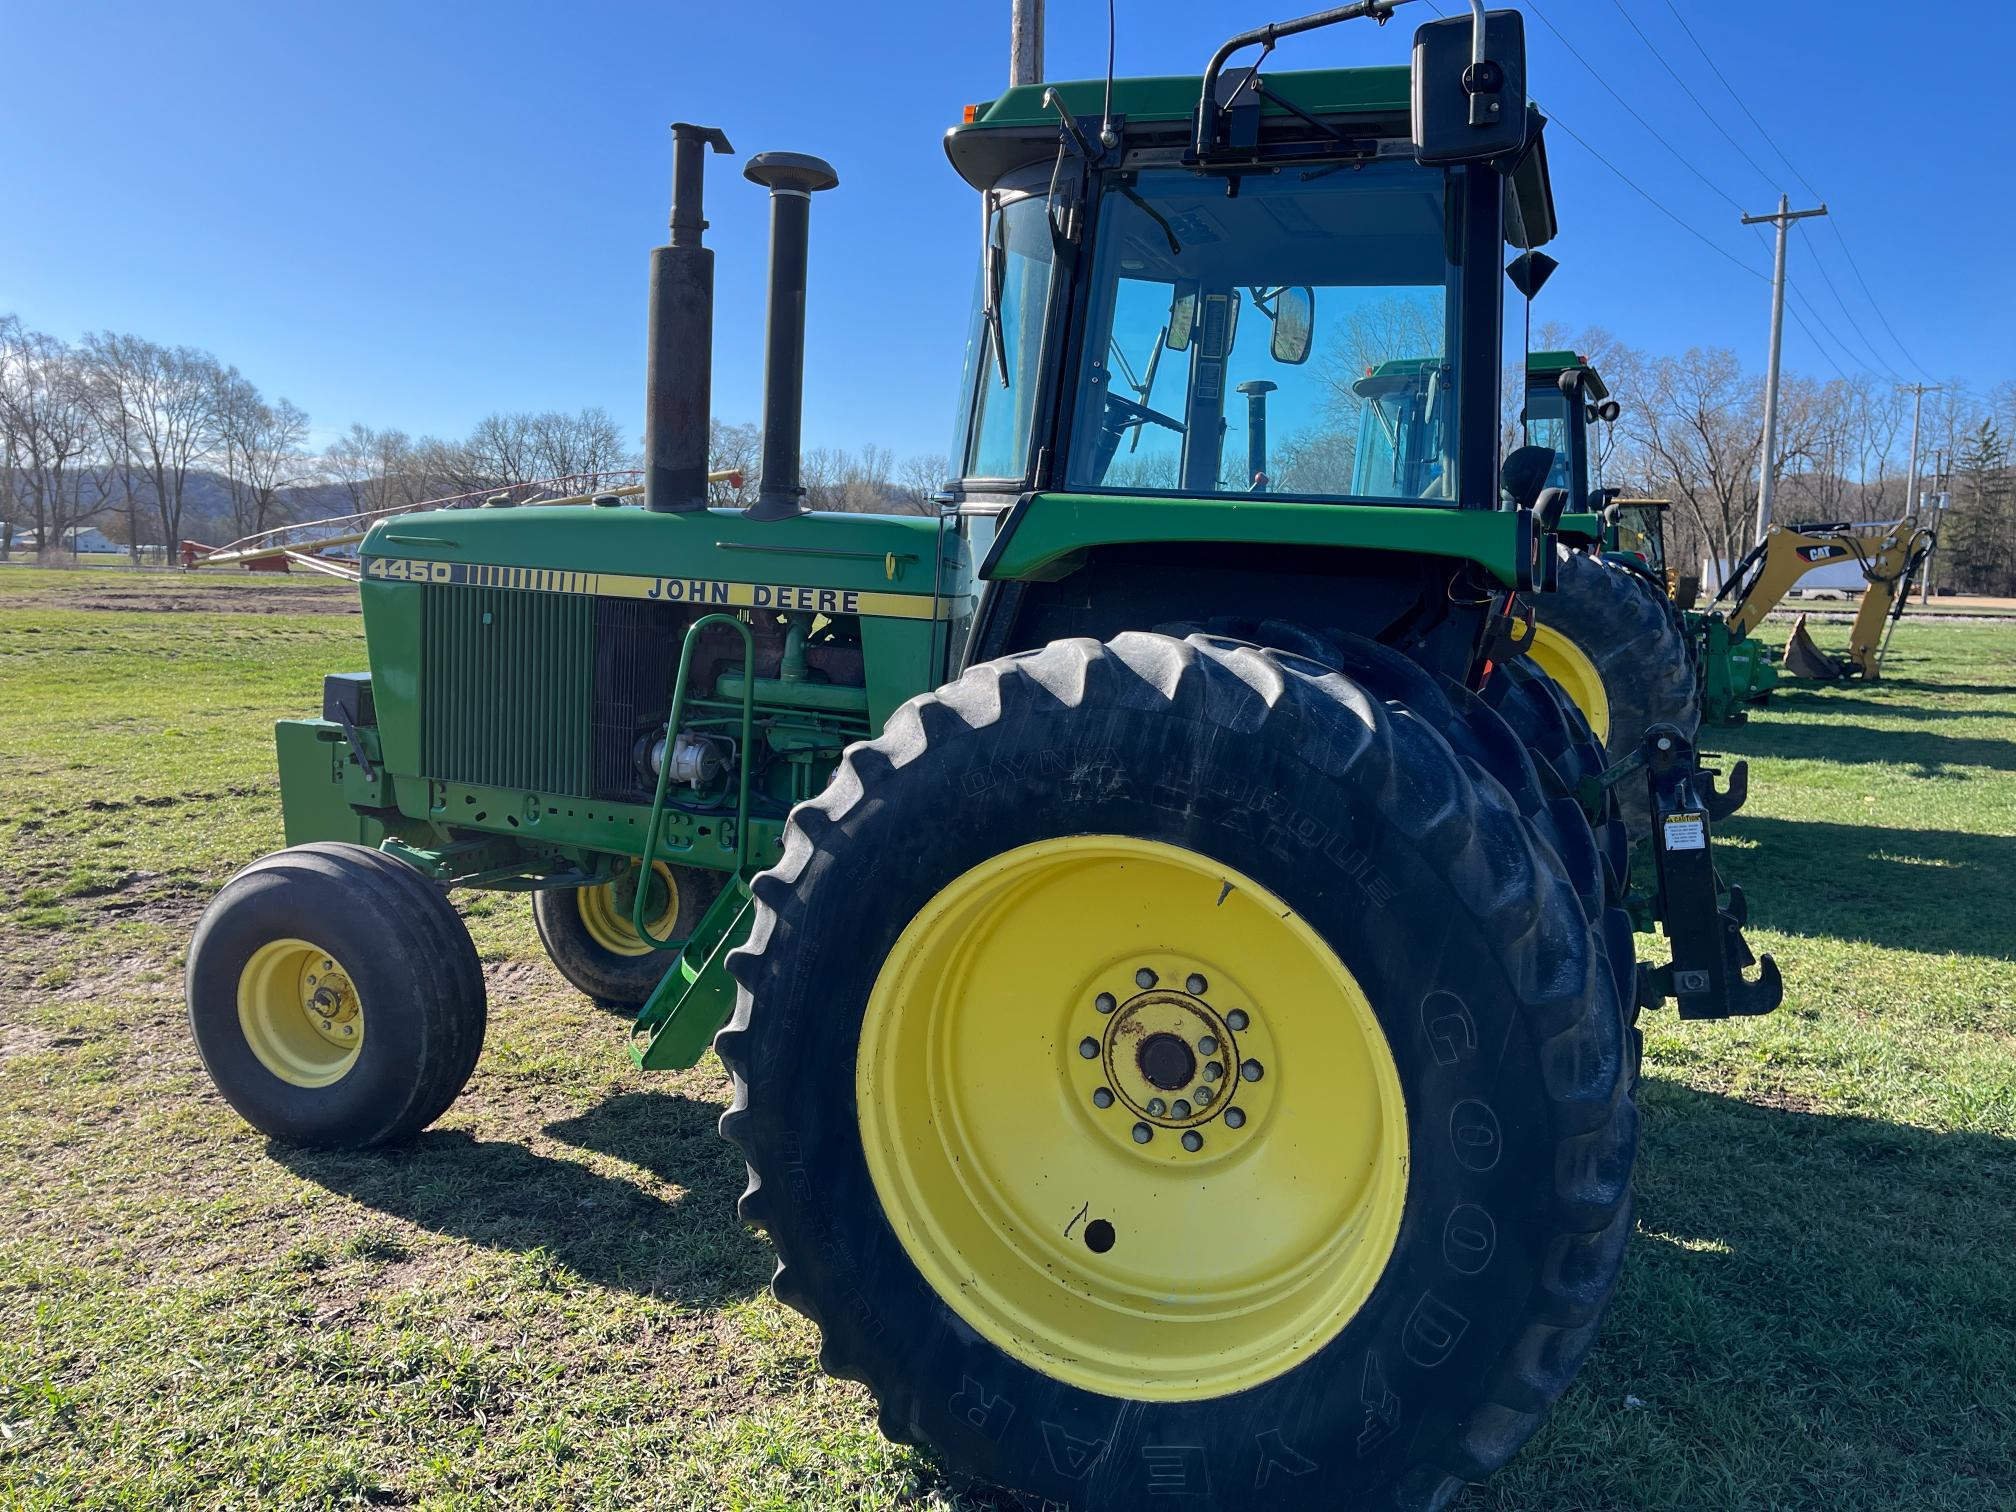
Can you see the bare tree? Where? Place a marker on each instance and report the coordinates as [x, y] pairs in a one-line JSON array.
[[169, 398], [1700, 432], [47, 417], [587, 441], [919, 478], [262, 451], [733, 448]]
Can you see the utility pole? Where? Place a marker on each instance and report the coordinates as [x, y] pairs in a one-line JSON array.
[[1941, 501], [1782, 219], [1025, 42], [1917, 391]]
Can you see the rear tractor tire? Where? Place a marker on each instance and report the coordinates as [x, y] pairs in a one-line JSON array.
[[589, 936], [1174, 1067], [335, 997], [1618, 649]]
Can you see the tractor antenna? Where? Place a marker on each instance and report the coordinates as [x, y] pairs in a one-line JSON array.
[[1108, 137]]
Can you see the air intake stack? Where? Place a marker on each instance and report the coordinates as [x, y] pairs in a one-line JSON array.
[[679, 366], [792, 179]]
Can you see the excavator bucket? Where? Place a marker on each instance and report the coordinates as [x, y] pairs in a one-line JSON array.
[[1804, 659]]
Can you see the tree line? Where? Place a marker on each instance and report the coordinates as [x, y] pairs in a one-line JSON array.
[[1691, 430], [155, 444]]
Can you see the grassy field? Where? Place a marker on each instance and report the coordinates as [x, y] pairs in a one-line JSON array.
[[547, 1300]]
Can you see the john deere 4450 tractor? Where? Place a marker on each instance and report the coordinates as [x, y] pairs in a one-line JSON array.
[[1164, 932]]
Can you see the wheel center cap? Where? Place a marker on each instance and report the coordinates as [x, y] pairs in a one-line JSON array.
[[1167, 1062]]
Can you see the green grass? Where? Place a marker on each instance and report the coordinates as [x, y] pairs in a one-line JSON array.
[[547, 1300]]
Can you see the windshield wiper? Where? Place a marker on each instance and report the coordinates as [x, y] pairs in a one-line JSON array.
[[1175, 247], [996, 271]]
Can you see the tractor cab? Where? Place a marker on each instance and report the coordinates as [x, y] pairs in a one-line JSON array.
[[1185, 300], [1565, 396]]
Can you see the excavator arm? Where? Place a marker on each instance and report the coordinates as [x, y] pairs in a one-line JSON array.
[[1889, 554]]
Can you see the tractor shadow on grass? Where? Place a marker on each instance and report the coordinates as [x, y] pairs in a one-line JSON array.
[[609, 1229], [1821, 1296], [1937, 891], [1921, 754], [1813, 700]]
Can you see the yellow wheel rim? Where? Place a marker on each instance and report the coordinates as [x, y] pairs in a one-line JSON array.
[[605, 911], [300, 1013], [1561, 659], [1131, 1118]]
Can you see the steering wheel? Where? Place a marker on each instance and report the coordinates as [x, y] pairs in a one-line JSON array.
[[1138, 414]]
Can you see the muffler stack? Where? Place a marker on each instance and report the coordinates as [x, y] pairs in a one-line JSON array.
[[792, 179], [680, 335]]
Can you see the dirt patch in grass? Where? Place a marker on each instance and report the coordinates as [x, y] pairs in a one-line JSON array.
[[335, 599]]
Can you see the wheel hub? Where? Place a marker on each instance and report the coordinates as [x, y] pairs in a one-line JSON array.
[[300, 1012], [1170, 1058]]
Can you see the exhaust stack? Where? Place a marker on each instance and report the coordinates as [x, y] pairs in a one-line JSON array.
[[792, 179], [679, 364]]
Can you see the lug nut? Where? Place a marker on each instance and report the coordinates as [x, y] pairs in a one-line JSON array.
[[1142, 1133], [1192, 1140], [1204, 1095], [1105, 1002], [1157, 1107], [1103, 1098], [1180, 1108], [1213, 1070], [1144, 978], [1235, 1118], [1089, 1048], [1236, 1019], [1252, 1070], [1208, 1045], [327, 1026], [348, 1031], [1196, 986]]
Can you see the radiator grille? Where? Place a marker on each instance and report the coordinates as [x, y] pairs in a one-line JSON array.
[[507, 688]]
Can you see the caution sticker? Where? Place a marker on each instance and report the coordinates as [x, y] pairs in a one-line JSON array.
[[1686, 832]]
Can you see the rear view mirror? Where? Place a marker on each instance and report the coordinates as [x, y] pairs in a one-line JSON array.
[[1294, 325], [1467, 111], [1182, 317], [1608, 411]]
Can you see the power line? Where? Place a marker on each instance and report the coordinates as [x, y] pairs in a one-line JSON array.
[[1713, 119], [1875, 306], [1631, 110], [1656, 204], [1834, 225], [1853, 324], [1731, 88]]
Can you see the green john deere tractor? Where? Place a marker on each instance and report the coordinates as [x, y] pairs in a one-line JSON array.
[[1609, 634], [1164, 932]]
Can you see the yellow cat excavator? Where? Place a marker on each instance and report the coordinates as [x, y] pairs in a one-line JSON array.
[[1889, 554]]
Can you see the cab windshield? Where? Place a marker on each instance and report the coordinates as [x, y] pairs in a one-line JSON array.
[[1293, 336], [1547, 420]]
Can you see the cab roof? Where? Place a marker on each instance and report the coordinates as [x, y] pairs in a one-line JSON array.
[[1015, 127]]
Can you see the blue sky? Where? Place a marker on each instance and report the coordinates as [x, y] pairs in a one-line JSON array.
[[414, 214]]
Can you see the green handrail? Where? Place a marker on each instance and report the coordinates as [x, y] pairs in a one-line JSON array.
[[745, 758]]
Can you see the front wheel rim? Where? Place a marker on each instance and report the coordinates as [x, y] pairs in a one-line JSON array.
[[300, 1012], [605, 912], [1132, 1118]]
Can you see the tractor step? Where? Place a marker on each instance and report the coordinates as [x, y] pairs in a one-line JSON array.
[[679, 1020]]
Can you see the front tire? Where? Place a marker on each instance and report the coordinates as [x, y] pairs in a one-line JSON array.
[[960, 1194], [335, 997], [589, 937], [1619, 649]]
